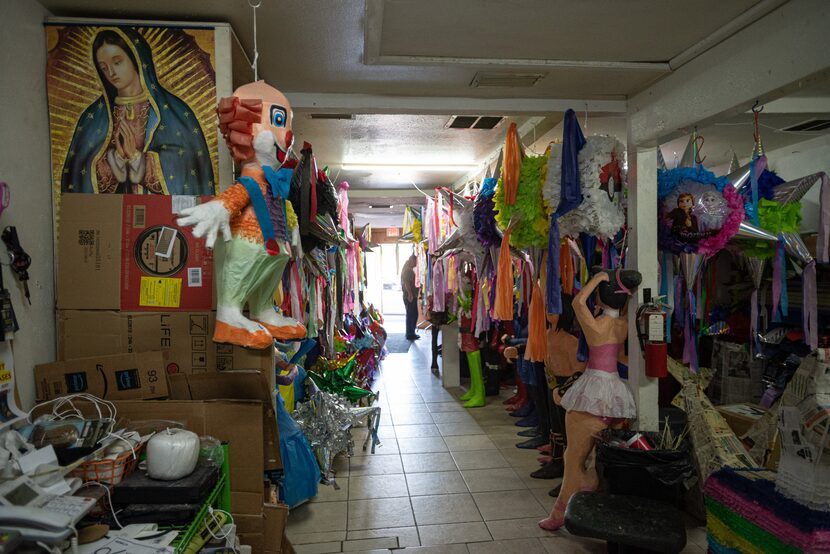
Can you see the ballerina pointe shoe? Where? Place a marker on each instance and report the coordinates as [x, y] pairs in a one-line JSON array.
[[556, 520], [228, 334]]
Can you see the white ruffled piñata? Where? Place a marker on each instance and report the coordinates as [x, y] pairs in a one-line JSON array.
[[598, 214]]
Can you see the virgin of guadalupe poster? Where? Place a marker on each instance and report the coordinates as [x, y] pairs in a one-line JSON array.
[[132, 109]]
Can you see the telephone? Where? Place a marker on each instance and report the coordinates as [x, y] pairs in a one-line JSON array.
[[36, 524], [38, 515]]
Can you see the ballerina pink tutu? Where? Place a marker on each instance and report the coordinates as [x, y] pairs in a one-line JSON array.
[[601, 393]]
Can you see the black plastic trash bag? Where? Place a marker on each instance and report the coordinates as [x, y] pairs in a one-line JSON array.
[[659, 474]]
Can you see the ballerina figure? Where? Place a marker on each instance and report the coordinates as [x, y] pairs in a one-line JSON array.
[[599, 399]]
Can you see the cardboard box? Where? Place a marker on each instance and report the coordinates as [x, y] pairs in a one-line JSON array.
[[264, 533], [188, 336], [125, 252], [238, 385], [119, 377], [239, 422], [741, 417]]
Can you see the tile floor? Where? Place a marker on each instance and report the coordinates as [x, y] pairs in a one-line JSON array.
[[446, 480]]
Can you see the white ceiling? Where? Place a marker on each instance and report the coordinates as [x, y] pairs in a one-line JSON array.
[[376, 51], [587, 30]]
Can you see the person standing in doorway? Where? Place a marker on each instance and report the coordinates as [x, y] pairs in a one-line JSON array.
[[410, 296]]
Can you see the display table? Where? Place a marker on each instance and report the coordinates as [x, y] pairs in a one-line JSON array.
[[451, 368]]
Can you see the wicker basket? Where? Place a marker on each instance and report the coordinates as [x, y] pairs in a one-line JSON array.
[[111, 471]]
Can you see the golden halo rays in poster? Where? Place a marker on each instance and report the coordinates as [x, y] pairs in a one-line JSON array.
[[132, 110]]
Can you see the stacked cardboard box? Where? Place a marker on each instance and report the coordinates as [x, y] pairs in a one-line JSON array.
[[235, 408], [130, 280]]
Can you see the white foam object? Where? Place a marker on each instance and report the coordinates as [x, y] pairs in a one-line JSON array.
[[172, 454]]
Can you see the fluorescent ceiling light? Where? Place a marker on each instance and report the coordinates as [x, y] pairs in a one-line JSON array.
[[398, 168]]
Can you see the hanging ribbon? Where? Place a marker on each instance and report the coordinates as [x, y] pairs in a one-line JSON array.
[[777, 263], [536, 348], [824, 221], [570, 198], [753, 325], [504, 282], [753, 179], [667, 290], [606, 258], [689, 334], [512, 165], [567, 268], [785, 297], [810, 305]]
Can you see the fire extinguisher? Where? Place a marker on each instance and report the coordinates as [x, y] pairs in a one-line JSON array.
[[651, 325]]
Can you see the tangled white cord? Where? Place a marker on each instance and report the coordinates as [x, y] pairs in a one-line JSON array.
[[64, 407], [211, 512]]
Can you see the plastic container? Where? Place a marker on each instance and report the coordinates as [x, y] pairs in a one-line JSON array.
[[658, 474]]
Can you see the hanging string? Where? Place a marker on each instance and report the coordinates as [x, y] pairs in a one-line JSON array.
[[755, 111], [254, 64]]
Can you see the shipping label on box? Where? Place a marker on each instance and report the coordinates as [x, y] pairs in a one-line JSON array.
[[126, 252], [163, 266], [120, 377], [188, 336]]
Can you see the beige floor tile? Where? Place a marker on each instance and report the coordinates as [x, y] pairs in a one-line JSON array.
[[440, 549], [377, 464], [358, 545], [487, 480], [422, 463], [385, 418], [327, 493], [318, 548], [452, 417], [376, 551], [445, 508], [441, 482], [422, 445], [542, 496], [469, 441], [492, 420], [310, 538], [477, 459], [506, 440], [453, 406], [515, 546], [524, 472], [417, 431], [386, 432], [340, 466], [502, 428], [318, 517], [563, 542], [516, 529], [459, 428], [508, 505], [521, 457], [402, 407], [453, 533], [377, 486], [386, 447], [379, 513], [410, 418], [407, 536]]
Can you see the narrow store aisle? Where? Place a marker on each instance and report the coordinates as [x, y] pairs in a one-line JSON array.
[[446, 480]]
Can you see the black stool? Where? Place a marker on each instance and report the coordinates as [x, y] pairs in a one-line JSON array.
[[629, 524]]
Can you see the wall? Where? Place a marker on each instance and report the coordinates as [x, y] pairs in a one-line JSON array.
[[24, 165], [797, 161]]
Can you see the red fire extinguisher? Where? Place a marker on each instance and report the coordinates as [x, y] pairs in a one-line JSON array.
[[651, 326]]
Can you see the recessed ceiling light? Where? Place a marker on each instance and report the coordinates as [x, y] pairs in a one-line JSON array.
[[381, 206]]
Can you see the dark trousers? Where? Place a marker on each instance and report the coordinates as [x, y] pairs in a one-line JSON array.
[[411, 317], [542, 400]]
